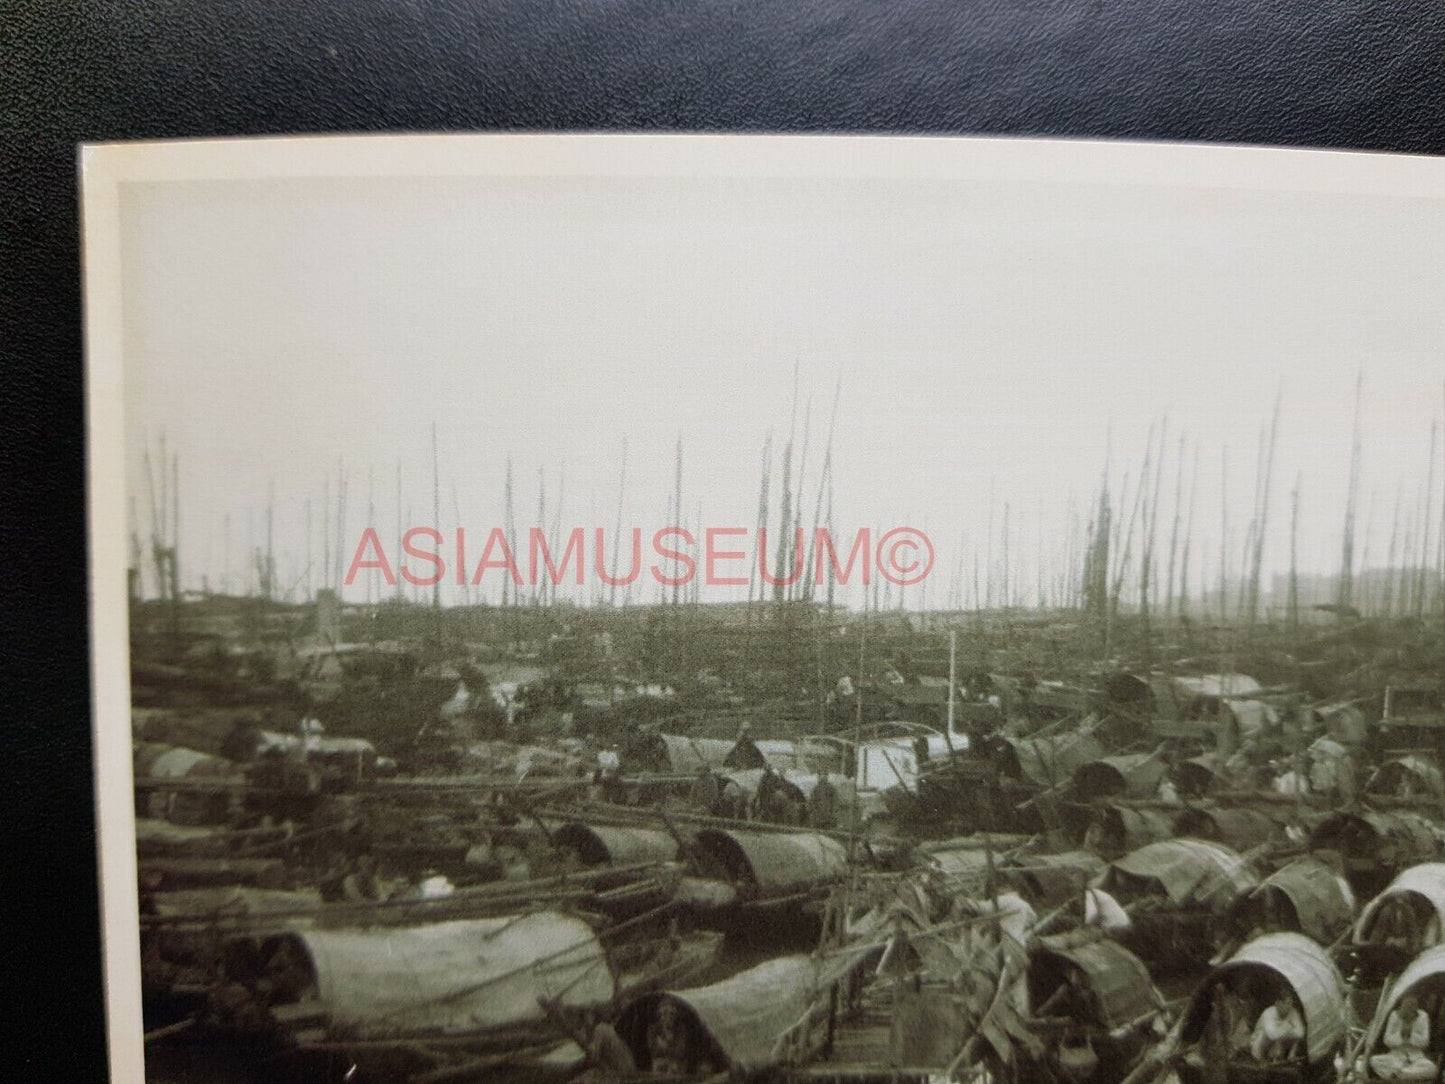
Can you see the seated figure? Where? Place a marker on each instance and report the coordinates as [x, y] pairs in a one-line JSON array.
[[1280, 1031], [1397, 927], [1407, 1034], [667, 1042]]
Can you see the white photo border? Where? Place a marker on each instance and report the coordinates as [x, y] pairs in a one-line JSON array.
[[106, 168]]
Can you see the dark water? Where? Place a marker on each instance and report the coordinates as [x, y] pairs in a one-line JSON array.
[[199, 1065]]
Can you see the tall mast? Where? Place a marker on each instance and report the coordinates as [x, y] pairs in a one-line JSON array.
[[1423, 575], [539, 588], [952, 677], [1262, 512], [1174, 531], [310, 559], [461, 572], [677, 511], [1151, 527], [1224, 534], [988, 545], [1391, 574], [1347, 555], [1294, 553], [786, 517], [825, 481], [617, 538], [270, 571], [796, 589], [400, 529], [766, 471], [436, 510], [1440, 576], [830, 534], [557, 518], [175, 546], [371, 585], [326, 533], [340, 524], [1188, 535], [509, 588], [1007, 599]]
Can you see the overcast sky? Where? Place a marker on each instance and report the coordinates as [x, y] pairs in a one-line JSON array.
[[989, 338]]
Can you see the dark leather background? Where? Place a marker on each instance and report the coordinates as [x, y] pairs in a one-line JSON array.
[[1328, 73]]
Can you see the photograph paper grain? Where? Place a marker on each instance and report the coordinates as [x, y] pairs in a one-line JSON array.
[[702, 608]]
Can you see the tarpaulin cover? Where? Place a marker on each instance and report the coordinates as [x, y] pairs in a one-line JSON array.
[[804, 756], [272, 741], [1344, 722], [684, 754], [745, 1016], [1135, 775], [1252, 716], [456, 977], [1217, 685], [1379, 837], [607, 844], [1190, 871], [1198, 774], [158, 834], [234, 900], [806, 782], [1430, 964], [1235, 827], [1127, 828], [1054, 877], [1424, 777], [1310, 973], [964, 870], [747, 780], [777, 861], [1322, 899], [1119, 979], [1426, 881], [177, 762], [1051, 761]]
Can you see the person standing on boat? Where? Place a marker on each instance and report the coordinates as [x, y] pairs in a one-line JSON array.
[[666, 1042], [1226, 1033], [1293, 779], [732, 802], [770, 801], [706, 792], [242, 742], [608, 1057], [1407, 1034], [363, 882], [741, 752], [607, 1054], [823, 803], [1278, 1032]]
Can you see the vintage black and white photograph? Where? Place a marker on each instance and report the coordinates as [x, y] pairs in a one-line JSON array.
[[806, 610]]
